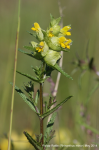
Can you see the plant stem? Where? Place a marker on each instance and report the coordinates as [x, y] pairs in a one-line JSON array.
[[41, 111], [14, 76]]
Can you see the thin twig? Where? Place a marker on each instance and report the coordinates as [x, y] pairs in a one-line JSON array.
[[61, 60], [14, 76]]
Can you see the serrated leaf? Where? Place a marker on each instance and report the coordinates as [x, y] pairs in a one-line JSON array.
[[25, 98], [30, 48], [58, 20], [32, 54], [56, 67], [29, 76], [55, 108], [49, 127], [34, 34], [36, 145], [54, 21], [29, 54], [37, 97]]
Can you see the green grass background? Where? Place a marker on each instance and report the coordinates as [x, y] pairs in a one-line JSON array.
[[83, 16]]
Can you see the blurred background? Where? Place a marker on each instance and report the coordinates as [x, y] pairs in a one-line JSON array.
[[83, 16]]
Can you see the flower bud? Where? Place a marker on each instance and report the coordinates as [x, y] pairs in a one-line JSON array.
[[38, 30], [54, 21], [54, 31]]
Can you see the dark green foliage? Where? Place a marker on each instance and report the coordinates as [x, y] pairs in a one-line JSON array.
[[27, 53], [30, 103], [29, 48], [48, 70], [55, 108], [38, 71], [34, 34], [31, 77], [32, 54], [33, 142], [29, 88]]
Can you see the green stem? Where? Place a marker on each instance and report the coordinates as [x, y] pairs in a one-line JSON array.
[[41, 111], [14, 76]]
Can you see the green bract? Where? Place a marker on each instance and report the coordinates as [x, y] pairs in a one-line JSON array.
[[53, 43], [52, 57]]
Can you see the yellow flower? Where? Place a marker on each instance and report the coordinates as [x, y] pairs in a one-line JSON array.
[[40, 47], [68, 42], [65, 43], [36, 27], [65, 30], [51, 33]]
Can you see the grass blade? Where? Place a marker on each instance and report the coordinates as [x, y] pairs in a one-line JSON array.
[[14, 76]]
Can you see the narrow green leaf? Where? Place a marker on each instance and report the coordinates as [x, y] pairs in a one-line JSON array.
[[56, 67], [36, 145], [49, 127], [29, 54], [34, 34], [29, 76], [89, 127], [54, 21], [55, 108], [32, 54], [30, 48], [25, 98], [37, 97]]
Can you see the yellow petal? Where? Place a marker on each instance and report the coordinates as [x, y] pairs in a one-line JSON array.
[[33, 29], [36, 25], [62, 39], [68, 46], [68, 33], [41, 43], [63, 45]]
